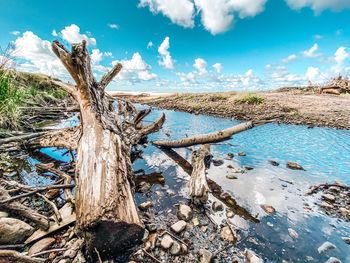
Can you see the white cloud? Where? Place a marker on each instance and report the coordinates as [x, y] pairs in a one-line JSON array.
[[37, 55], [318, 37], [54, 33], [201, 66], [312, 52], [72, 35], [289, 58], [217, 16], [135, 69], [163, 50], [150, 44], [180, 12], [341, 55], [319, 5], [96, 56], [108, 54], [217, 67], [113, 26], [312, 73], [15, 33]]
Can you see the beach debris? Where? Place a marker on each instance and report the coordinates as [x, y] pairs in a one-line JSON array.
[[294, 166]]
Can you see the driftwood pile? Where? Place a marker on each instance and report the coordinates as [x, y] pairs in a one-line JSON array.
[[337, 86], [98, 190]]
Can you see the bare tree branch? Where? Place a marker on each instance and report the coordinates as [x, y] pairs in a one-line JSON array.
[[106, 79]]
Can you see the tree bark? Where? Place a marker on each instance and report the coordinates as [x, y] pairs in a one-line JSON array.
[[107, 216]]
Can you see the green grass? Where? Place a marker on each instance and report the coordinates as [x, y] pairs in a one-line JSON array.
[[251, 99], [19, 89]]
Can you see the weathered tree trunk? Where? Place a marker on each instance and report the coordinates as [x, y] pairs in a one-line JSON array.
[[106, 213], [198, 181]]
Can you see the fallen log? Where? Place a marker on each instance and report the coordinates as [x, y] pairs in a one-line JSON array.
[[198, 186], [155, 126], [12, 256], [213, 137]]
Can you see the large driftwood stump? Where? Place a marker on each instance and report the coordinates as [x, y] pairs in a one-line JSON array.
[[107, 216], [198, 181]]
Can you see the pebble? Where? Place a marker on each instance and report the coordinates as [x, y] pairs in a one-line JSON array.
[[195, 221], [333, 260], [204, 229], [269, 224], [217, 206], [326, 205], [329, 197], [248, 168], [218, 162], [184, 212], [13, 231], [293, 234], [205, 256], [151, 227], [345, 212], [175, 249], [226, 234], [241, 154], [274, 163], [346, 240], [179, 226], [231, 176], [166, 242], [294, 166], [230, 214], [251, 257], [325, 247], [145, 205], [268, 209]]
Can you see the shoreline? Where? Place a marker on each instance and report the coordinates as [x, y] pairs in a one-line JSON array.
[[288, 106]]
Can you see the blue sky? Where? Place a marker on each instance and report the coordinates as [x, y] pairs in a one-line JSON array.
[[172, 45]]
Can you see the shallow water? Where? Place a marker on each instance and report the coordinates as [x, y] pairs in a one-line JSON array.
[[323, 152]]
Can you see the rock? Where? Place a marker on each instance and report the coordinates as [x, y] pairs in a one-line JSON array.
[[329, 197], [184, 212], [268, 209], [231, 176], [166, 242], [294, 166], [231, 155], [13, 231], [238, 222], [269, 224], [326, 205], [175, 249], [204, 229], [205, 256], [151, 227], [217, 206], [248, 168], [41, 245], [344, 212], [236, 259], [217, 162], [251, 257], [195, 221], [230, 214], [293, 234], [325, 247], [184, 249], [179, 226], [143, 187], [226, 234], [145, 205], [334, 189], [3, 214], [274, 163], [333, 260], [241, 154], [346, 240]]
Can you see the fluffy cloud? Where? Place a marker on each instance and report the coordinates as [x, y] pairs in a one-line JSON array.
[[319, 5], [37, 55], [201, 66], [312, 73], [180, 12], [150, 44], [96, 56], [15, 33], [163, 50], [289, 58], [312, 52], [217, 67], [217, 15], [113, 26], [72, 35], [54, 33], [341, 55], [135, 69]]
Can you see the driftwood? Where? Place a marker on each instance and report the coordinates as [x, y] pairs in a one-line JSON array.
[[12, 256], [213, 137], [198, 185]]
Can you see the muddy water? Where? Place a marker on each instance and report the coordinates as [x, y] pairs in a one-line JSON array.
[[324, 153]]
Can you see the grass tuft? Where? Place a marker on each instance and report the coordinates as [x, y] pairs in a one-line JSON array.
[[251, 99]]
